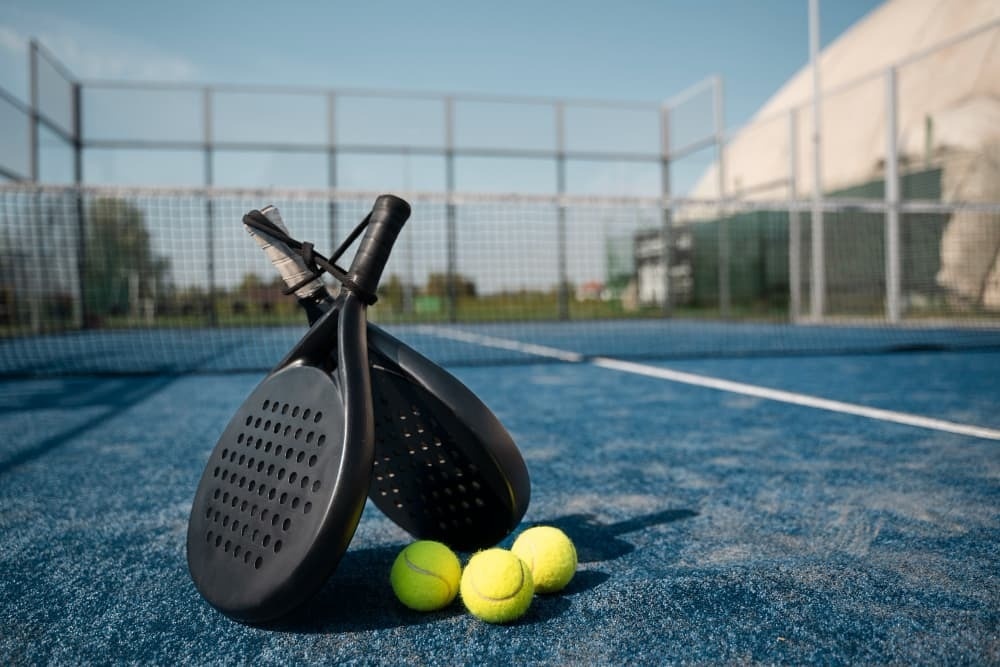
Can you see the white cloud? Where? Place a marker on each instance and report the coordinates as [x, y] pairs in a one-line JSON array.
[[12, 40], [109, 59], [91, 52]]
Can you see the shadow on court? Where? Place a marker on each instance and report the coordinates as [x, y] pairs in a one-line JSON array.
[[110, 397], [359, 598], [115, 396], [597, 542]]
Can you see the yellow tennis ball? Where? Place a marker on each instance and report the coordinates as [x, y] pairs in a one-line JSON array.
[[550, 555], [425, 576], [497, 586]]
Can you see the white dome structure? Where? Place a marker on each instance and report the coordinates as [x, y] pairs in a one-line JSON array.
[[948, 116]]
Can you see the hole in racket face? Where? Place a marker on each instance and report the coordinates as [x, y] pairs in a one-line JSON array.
[[432, 475], [255, 514], [262, 486]]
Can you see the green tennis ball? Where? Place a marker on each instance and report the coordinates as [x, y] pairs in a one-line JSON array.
[[550, 555], [425, 576], [496, 586]]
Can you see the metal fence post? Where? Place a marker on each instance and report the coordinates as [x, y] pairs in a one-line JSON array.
[[563, 291], [34, 171], [213, 316], [893, 272], [817, 285], [725, 298], [450, 226], [666, 212], [331, 168], [33, 138], [80, 317], [794, 223]]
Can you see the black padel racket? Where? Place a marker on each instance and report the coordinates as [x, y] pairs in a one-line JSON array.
[[445, 468], [285, 486]]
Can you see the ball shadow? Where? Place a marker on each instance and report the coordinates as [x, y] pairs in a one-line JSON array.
[[585, 580], [597, 542]]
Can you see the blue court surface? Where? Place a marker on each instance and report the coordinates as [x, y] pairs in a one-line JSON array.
[[840, 509]]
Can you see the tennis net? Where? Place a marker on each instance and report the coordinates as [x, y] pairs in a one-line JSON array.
[[147, 280]]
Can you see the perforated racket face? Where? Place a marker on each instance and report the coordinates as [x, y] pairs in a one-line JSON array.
[[432, 475], [270, 520]]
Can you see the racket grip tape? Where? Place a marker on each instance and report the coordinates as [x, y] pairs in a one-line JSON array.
[[290, 266], [385, 222]]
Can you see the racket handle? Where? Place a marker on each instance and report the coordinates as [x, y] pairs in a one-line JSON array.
[[384, 224]]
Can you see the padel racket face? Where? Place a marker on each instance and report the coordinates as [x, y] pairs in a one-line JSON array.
[[284, 488], [445, 468], [272, 514]]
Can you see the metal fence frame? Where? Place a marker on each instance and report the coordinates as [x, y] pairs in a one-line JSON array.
[[664, 156], [209, 145]]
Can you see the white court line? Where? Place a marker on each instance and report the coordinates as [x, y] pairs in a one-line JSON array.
[[719, 384], [797, 399], [501, 343]]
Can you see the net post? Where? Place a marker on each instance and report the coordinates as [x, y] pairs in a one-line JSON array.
[[209, 213], [723, 239], [666, 206], [563, 291], [794, 223], [450, 224], [893, 273], [817, 285]]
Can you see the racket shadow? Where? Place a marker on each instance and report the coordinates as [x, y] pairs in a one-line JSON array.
[[358, 597], [363, 578]]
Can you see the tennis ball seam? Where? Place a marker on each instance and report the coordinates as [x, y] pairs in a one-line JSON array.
[[517, 590], [419, 570]]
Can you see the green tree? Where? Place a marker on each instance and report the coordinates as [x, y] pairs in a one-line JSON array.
[[437, 285], [254, 295], [390, 293], [121, 268]]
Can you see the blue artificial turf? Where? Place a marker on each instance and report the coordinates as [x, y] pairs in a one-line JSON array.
[[957, 386], [711, 528]]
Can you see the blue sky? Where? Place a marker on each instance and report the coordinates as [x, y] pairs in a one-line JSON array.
[[643, 49]]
